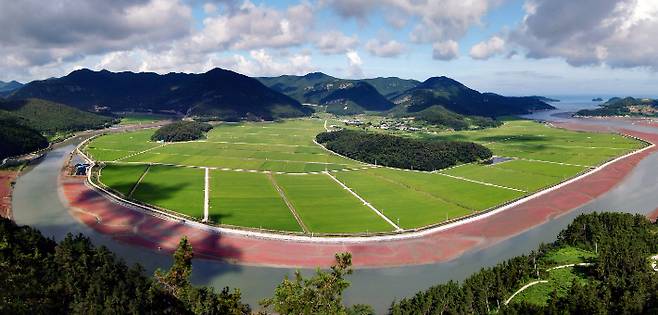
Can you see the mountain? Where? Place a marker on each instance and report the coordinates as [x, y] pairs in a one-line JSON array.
[[624, 106], [50, 118], [391, 87], [342, 96], [220, 93], [458, 98], [6, 87], [17, 138]]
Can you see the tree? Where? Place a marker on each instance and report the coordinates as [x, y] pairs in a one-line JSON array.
[[320, 294], [177, 279]]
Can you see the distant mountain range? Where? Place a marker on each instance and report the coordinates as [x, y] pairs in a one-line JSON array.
[[231, 96], [9, 86], [221, 93], [407, 96]]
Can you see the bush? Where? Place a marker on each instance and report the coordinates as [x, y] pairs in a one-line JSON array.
[[402, 152], [181, 131]]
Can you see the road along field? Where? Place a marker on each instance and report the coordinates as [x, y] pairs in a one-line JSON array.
[[273, 177]]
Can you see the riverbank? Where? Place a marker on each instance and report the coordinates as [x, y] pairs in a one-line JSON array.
[[126, 225]]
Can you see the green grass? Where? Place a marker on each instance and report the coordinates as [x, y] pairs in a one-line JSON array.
[[248, 199], [325, 207], [559, 280], [121, 178], [409, 206], [568, 255], [173, 188]]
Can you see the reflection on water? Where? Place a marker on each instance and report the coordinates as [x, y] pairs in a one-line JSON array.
[[36, 203]]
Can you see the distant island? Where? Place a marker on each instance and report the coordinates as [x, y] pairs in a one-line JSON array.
[[597, 99], [546, 99], [628, 106]]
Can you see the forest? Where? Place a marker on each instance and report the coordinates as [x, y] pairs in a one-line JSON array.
[[181, 131], [400, 152], [18, 139], [620, 282]]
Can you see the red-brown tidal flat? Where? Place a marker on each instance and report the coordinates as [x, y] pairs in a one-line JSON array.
[[133, 227]]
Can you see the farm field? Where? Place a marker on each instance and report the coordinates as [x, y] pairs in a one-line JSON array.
[[248, 162]]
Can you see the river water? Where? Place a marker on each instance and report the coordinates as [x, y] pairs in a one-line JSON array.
[[36, 203]]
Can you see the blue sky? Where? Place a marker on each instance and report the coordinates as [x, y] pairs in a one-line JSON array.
[[515, 47]]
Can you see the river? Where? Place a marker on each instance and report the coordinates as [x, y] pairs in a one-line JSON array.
[[36, 202]]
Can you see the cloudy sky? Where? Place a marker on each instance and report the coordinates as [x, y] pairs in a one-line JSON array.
[[551, 47]]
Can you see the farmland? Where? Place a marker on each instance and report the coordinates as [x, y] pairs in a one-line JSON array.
[[273, 176]]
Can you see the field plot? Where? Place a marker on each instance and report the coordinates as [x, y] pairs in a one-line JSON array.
[[122, 178], [248, 199], [281, 147], [325, 207], [271, 175], [173, 188]]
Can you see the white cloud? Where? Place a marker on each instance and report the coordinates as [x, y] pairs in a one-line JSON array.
[[391, 48], [334, 42], [616, 33], [486, 49], [354, 63], [445, 50]]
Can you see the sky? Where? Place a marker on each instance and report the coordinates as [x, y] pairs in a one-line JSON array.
[[513, 47]]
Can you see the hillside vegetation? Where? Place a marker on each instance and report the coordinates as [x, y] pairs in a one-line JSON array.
[[219, 93], [17, 138], [438, 115], [51, 118], [181, 131], [400, 152], [623, 106]]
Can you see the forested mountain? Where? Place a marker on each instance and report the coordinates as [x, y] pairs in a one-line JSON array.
[[391, 87], [9, 86], [50, 118], [457, 97], [218, 92], [355, 97], [624, 106], [18, 139]]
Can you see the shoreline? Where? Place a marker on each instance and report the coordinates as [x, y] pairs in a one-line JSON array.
[[130, 226]]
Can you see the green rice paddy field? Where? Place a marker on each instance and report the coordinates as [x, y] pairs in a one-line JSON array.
[[262, 175]]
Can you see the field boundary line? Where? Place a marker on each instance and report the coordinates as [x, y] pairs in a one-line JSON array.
[[523, 288], [481, 183], [140, 152], [553, 162], [325, 126], [292, 209], [367, 204], [206, 194], [132, 190]]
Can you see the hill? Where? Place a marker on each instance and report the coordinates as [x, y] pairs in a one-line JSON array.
[[624, 106], [17, 138], [342, 96], [50, 118], [391, 87], [221, 93], [9, 86], [457, 97]]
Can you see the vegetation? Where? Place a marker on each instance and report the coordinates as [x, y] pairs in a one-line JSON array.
[[6, 87], [181, 131], [18, 139], [320, 294], [40, 276], [143, 118], [173, 188], [621, 280], [51, 118], [438, 115], [220, 93], [623, 106], [399, 152]]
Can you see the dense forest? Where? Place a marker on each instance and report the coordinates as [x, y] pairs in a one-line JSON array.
[[17, 138], [50, 118], [181, 131], [621, 281], [40, 276], [400, 152]]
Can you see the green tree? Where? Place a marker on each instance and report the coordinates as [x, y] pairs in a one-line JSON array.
[[320, 294]]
